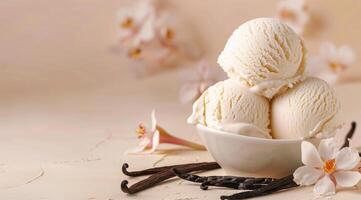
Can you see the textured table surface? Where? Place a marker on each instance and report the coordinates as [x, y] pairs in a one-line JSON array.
[[69, 106]]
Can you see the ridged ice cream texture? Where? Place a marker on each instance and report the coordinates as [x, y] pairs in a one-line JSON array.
[[231, 107], [309, 109], [265, 53]]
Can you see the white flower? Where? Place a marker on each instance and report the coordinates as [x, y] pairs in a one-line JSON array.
[[294, 14], [150, 139], [327, 167], [331, 62], [197, 81]]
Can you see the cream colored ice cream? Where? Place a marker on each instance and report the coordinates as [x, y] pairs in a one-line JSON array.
[[231, 107], [309, 109], [265, 53]]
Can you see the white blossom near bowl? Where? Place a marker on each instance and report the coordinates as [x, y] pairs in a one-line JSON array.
[[328, 167], [251, 156]]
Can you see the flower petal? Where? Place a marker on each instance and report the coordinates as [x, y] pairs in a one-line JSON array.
[[347, 178], [347, 159], [310, 156], [204, 70], [146, 32], [329, 76], [293, 13], [346, 55], [204, 85], [154, 121], [155, 142], [324, 187], [327, 149], [143, 9], [328, 51], [316, 65], [140, 148], [306, 175], [189, 93]]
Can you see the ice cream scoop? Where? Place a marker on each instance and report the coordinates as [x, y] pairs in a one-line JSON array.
[[266, 54], [230, 106], [309, 109]]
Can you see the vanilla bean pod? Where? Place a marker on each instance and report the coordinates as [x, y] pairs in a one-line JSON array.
[[154, 170], [232, 185], [234, 182], [349, 135], [274, 186], [258, 193], [164, 175]]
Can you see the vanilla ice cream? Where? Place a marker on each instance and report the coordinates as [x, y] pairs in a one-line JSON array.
[[265, 53], [308, 109], [231, 107]]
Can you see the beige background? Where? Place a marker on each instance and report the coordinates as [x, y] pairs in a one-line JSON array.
[[69, 106]]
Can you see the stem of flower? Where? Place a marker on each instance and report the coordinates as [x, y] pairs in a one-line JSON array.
[[186, 143], [165, 137]]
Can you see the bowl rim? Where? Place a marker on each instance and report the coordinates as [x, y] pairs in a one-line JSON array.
[[248, 138]]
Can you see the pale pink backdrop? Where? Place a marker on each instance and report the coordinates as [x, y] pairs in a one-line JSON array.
[[69, 105]]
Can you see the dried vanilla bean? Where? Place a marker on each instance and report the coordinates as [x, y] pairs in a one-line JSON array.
[[154, 170], [164, 175], [274, 186], [258, 193], [232, 185], [349, 135], [234, 182]]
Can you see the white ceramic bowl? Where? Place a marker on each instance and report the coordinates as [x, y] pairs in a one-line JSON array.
[[251, 156]]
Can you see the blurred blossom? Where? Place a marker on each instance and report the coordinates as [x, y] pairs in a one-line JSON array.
[[294, 13], [154, 38], [151, 138], [331, 62], [196, 81]]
